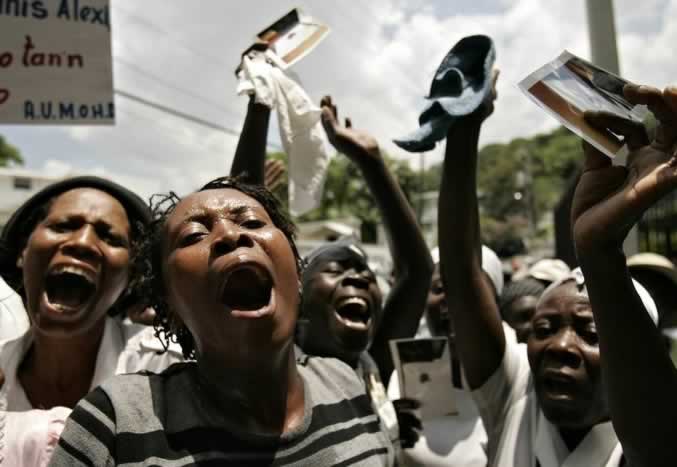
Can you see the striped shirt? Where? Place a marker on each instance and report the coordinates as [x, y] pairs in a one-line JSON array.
[[163, 419]]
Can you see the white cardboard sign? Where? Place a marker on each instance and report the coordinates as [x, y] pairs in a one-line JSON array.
[[55, 62]]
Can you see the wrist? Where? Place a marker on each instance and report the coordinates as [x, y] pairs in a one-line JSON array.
[[370, 159], [600, 257]]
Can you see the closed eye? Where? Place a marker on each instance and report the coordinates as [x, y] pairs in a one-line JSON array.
[[253, 224], [191, 238], [542, 329], [64, 226]]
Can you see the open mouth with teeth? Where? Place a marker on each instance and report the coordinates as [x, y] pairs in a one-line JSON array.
[[247, 288], [559, 386], [69, 288], [354, 312]]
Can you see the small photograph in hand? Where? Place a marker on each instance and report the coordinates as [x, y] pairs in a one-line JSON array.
[[569, 86], [292, 37], [424, 371]]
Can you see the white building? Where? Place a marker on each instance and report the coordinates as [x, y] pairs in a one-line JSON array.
[[17, 185]]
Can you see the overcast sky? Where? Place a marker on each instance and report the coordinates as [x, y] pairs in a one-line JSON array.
[[377, 63]]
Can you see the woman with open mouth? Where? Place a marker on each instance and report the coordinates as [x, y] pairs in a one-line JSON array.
[[342, 312], [543, 405], [67, 251], [222, 273]]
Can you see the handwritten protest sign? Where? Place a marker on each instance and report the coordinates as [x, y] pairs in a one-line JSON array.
[[55, 62]]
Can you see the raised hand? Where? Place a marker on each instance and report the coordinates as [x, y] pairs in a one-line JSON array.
[[357, 145], [609, 200]]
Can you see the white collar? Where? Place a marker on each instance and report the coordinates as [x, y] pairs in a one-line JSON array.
[[593, 451], [6, 291], [13, 352]]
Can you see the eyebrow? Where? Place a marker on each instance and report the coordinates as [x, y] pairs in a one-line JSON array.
[[203, 214]]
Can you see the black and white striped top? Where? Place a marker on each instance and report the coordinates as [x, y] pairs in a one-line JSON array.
[[162, 419]]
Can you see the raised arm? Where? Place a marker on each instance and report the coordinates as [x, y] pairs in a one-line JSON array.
[[609, 200], [405, 303], [480, 341], [250, 155]]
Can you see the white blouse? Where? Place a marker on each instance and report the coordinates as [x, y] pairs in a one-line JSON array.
[[518, 431], [29, 435], [14, 320]]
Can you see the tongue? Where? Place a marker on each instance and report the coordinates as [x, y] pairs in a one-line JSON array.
[[68, 290]]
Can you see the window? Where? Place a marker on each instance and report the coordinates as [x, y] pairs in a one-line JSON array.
[[22, 183]]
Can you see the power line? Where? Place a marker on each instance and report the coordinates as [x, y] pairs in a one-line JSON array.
[[169, 85], [159, 30], [183, 115]]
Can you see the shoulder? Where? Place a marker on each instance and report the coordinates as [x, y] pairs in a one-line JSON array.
[[332, 383], [13, 317], [137, 396]]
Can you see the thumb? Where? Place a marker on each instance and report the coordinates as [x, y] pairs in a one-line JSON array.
[[329, 121]]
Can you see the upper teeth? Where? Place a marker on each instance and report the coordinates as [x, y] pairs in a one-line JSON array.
[[70, 269], [355, 300]]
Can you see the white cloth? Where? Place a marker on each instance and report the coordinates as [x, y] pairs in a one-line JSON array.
[[456, 440], [577, 276], [301, 131], [124, 348], [13, 317], [491, 265], [518, 431]]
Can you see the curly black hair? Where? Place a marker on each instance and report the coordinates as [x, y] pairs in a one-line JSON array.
[[149, 285]]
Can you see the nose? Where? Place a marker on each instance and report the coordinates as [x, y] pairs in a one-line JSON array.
[[83, 244], [564, 348], [355, 279], [230, 237]]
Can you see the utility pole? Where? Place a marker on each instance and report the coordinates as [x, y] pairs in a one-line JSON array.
[[604, 53]]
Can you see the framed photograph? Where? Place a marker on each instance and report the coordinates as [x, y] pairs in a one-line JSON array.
[[569, 86], [424, 373], [292, 37]]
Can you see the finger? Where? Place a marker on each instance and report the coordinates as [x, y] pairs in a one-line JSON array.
[[329, 121], [408, 439], [325, 101], [409, 420], [594, 159], [651, 97], [407, 404], [349, 123], [640, 94], [494, 79], [670, 98], [633, 132]]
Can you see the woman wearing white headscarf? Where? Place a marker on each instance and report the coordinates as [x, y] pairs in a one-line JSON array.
[[608, 201], [544, 407]]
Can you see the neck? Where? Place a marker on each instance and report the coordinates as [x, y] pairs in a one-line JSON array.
[[59, 371], [264, 396], [572, 437]]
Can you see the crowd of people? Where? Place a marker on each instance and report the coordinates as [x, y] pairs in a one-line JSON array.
[[190, 331]]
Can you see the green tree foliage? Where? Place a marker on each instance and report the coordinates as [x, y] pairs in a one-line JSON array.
[[521, 182], [9, 155], [537, 169], [346, 194]]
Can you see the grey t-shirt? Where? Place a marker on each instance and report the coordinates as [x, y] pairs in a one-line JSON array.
[[164, 419]]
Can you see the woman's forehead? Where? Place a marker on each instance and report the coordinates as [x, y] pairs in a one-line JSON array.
[[218, 202], [89, 202], [565, 297]]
